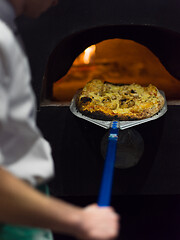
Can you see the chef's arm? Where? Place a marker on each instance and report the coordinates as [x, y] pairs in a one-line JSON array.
[[20, 204]]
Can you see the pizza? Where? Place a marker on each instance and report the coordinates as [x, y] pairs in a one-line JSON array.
[[107, 101]]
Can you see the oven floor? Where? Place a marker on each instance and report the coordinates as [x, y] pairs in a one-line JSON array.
[[142, 217]]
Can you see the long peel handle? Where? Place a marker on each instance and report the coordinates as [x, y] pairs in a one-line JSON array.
[[107, 178]]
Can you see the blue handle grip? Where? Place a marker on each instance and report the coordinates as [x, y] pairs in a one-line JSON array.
[[106, 184]]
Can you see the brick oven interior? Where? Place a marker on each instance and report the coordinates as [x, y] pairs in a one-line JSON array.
[[147, 195]]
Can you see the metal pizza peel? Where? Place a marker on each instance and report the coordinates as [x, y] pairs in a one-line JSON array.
[[114, 126], [122, 124]]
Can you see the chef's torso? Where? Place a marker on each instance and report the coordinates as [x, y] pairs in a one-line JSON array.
[[23, 150]]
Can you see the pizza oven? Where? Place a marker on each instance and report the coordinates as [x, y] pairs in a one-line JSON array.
[[113, 55], [117, 41]]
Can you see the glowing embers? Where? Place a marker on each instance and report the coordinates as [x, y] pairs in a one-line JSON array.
[[118, 61]]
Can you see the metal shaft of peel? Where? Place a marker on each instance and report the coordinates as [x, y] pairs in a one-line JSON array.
[[107, 178]]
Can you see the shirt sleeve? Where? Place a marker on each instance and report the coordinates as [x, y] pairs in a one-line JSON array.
[[3, 89], [23, 150], [4, 79]]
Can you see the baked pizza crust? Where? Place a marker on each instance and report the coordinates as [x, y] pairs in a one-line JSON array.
[[108, 101]]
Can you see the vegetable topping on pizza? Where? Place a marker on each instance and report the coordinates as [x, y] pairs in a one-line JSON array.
[[108, 101]]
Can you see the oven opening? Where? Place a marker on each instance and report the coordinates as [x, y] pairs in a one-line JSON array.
[[118, 61]]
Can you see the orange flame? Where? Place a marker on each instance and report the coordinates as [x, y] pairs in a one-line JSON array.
[[86, 56], [89, 53]]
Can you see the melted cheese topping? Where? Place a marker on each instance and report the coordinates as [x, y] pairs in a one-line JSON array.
[[131, 100]]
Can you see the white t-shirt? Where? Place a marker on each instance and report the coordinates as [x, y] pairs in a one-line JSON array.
[[23, 150]]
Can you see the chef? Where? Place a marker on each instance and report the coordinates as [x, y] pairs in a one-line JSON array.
[[25, 156]]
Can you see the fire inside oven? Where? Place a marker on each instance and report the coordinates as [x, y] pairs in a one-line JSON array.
[[118, 61]]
